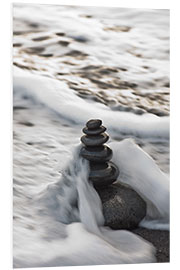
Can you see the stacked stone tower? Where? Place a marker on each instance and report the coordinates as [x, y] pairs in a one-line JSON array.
[[102, 171]]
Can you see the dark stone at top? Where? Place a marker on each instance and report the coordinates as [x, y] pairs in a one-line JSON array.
[[94, 123], [123, 208], [97, 131]]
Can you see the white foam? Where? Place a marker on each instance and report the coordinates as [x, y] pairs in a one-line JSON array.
[[57, 96], [139, 171], [60, 222], [86, 242]]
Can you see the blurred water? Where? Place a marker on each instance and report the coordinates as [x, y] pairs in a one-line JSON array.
[[119, 57], [72, 64]]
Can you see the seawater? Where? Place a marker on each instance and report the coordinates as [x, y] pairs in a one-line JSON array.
[[58, 216]]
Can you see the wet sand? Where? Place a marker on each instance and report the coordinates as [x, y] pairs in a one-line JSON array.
[[160, 239], [118, 57]]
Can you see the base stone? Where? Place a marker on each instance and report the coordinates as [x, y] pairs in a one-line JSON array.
[[123, 208]]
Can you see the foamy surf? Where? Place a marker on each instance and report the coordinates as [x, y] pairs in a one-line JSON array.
[[57, 96], [74, 57], [139, 171], [83, 240], [74, 233]]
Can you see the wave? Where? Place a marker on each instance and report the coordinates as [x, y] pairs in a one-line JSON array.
[[57, 96], [67, 213], [86, 240]]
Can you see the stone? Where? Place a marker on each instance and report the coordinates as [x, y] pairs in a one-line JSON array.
[[105, 176], [82, 39], [97, 131], [94, 140], [97, 154], [94, 123], [123, 208], [102, 171]]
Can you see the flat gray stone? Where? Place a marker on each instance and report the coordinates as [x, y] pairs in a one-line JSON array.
[[97, 154], [96, 131], [102, 175], [123, 208], [94, 140]]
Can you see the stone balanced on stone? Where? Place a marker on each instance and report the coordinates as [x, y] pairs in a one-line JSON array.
[[122, 207], [102, 171]]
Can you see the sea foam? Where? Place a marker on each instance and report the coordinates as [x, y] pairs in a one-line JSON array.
[[65, 222], [57, 96]]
